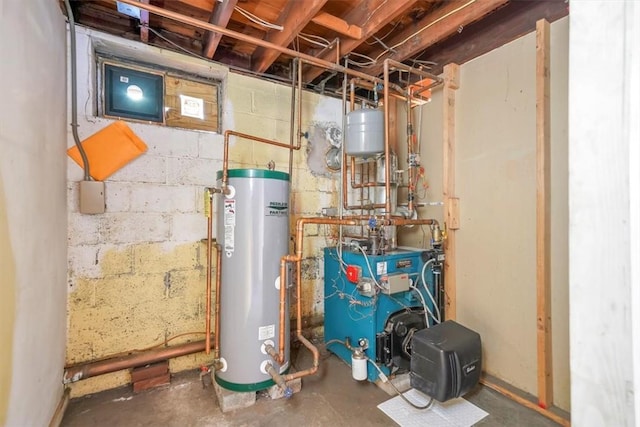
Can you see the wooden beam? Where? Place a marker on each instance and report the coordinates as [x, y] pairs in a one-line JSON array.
[[501, 27], [525, 402], [293, 18], [221, 14], [144, 24], [434, 27], [371, 16], [543, 215], [338, 25], [451, 84]]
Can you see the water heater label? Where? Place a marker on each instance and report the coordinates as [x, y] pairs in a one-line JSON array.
[[229, 226], [381, 268], [276, 209], [266, 332], [230, 212]]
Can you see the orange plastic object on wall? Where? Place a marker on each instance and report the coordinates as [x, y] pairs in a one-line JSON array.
[[109, 150]]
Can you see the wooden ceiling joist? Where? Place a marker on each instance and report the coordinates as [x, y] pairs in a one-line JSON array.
[[144, 24], [293, 18], [221, 14], [435, 27], [371, 16], [338, 25]]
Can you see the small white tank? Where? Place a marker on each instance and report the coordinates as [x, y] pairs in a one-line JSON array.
[[365, 133]]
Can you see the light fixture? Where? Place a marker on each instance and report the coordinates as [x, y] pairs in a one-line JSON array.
[[134, 92]]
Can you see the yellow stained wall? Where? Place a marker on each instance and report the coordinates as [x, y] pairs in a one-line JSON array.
[[137, 272]]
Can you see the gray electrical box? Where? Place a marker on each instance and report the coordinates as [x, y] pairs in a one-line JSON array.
[[394, 283]]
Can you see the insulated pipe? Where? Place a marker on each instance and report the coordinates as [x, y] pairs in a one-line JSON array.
[[246, 38], [88, 370]]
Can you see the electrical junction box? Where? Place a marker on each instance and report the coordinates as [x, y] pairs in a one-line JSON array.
[[394, 283], [92, 200]]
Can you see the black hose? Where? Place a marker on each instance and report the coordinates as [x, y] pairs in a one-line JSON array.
[[74, 92]]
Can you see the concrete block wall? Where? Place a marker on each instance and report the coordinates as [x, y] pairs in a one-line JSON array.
[[136, 273]]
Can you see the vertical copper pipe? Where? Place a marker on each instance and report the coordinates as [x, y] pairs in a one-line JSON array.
[[217, 310], [209, 251], [387, 151], [294, 67], [299, 105], [283, 308], [410, 168]]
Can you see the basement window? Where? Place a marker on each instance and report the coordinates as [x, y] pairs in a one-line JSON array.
[[162, 96]]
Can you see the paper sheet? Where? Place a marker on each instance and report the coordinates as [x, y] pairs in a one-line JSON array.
[[453, 413]]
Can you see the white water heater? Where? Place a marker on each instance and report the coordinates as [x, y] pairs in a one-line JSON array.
[[253, 229]]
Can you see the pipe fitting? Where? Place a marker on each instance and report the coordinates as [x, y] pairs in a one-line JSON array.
[[279, 380]]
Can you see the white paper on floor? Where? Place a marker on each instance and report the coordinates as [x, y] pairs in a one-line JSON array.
[[453, 413]]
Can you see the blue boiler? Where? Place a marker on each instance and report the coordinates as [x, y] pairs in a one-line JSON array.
[[379, 318]]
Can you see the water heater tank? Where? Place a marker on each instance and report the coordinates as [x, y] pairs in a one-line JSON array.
[[365, 133], [253, 228]]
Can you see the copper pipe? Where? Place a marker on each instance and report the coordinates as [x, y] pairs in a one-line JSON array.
[[92, 369], [316, 360], [208, 291], [361, 184], [387, 151], [297, 258], [283, 308], [312, 60], [292, 118], [410, 168], [225, 159], [217, 311], [300, 104]]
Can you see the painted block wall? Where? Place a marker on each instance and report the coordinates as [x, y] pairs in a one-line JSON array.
[[495, 180], [137, 272], [32, 212]]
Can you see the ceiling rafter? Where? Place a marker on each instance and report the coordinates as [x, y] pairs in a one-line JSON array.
[[371, 16], [144, 24], [433, 28], [338, 25], [221, 14], [293, 18]]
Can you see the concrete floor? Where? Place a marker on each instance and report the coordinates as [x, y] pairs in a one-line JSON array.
[[330, 398]]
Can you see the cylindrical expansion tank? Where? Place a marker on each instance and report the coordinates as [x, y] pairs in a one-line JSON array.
[[365, 133], [253, 229]]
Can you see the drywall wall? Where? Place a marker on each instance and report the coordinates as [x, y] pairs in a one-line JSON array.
[[495, 181], [33, 219], [137, 272], [604, 202]]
